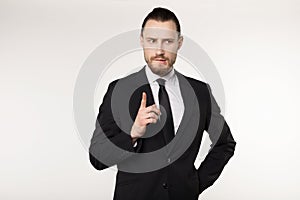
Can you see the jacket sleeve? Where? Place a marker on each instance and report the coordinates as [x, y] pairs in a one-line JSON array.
[[222, 147], [109, 144]]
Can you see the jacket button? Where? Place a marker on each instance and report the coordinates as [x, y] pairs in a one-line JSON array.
[[165, 185]]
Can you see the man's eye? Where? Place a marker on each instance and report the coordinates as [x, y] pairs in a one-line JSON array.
[[169, 41], [151, 40]]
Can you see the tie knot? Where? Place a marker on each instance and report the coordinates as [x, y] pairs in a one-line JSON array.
[[161, 81]]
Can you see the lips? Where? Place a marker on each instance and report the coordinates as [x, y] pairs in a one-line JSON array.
[[163, 60]]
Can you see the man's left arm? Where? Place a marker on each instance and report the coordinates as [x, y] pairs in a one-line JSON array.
[[222, 147]]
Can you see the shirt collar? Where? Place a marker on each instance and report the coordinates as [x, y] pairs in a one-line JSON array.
[[153, 77]]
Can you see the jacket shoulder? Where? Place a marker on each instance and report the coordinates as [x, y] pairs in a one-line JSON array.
[[131, 78], [197, 85]]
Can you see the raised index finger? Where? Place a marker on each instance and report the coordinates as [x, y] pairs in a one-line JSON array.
[[144, 99]]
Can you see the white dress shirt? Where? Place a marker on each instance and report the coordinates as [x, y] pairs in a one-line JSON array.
[[173, 90]]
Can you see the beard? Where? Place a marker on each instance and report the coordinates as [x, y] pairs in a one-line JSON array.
[[160, 65]]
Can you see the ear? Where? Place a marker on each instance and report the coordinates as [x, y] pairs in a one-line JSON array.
[[141, 40], [180, 41]]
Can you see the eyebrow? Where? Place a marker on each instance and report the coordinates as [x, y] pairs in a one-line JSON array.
[[154, 38]]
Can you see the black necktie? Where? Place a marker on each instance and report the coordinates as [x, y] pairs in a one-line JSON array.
[[168, 129]]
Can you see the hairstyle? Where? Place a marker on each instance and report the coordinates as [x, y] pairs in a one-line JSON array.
[[162, 15]]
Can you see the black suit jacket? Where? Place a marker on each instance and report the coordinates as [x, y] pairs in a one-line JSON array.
[[175, 181]]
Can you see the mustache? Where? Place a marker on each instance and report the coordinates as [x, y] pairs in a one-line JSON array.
[[159, 57]]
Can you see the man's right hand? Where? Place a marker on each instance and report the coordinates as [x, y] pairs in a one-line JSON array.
[[145, 116]]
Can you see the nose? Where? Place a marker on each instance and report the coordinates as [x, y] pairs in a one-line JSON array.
[[159, 50]]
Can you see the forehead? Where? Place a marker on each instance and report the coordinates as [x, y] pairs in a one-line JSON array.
[[159, 24], [160, 29]]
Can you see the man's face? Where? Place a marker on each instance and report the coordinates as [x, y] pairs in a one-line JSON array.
[[160, 42]]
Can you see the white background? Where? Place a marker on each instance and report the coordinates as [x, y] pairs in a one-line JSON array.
[[255, 46]]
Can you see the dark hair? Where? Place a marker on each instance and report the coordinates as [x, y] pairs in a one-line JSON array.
[[161, 14]]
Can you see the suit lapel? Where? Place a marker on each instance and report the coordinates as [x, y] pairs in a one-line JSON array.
[[188, 126], [188, 97]]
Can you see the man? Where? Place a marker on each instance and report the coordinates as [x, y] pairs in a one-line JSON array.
[[151, 123]]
